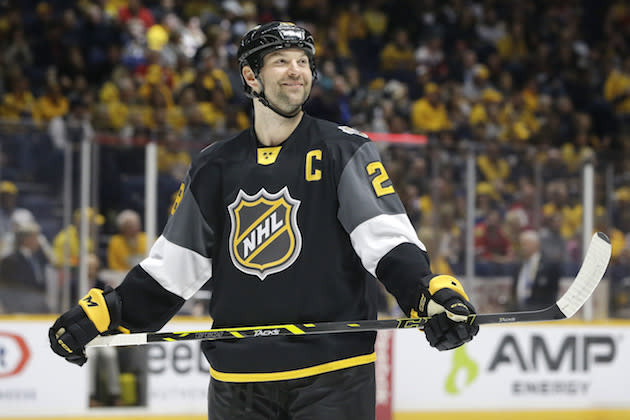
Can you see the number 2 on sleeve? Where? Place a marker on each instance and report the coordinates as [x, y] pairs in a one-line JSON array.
[[380, 179]]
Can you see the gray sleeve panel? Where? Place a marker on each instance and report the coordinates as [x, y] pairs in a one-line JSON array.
[[358, 201], [187, 227]]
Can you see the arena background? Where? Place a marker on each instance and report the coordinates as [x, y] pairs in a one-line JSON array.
[[492, 117]]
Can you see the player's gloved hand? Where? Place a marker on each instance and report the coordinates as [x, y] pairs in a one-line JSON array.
[[446, 302], [98, 312]]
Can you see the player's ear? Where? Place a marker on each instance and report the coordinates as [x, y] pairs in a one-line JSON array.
[[250, 78]]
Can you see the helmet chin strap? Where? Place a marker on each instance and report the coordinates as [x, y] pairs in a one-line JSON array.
[[263, 100]]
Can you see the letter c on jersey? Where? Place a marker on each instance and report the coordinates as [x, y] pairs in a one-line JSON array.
[[310, 174], [264, 234]]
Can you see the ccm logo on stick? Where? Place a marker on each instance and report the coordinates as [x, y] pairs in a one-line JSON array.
[[14, 354]]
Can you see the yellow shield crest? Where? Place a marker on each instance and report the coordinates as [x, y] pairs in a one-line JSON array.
[[264, 235]]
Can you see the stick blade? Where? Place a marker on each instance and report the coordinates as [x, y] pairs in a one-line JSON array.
[[592, 270]]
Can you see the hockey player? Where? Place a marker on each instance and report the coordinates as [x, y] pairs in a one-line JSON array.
[[291, 219]]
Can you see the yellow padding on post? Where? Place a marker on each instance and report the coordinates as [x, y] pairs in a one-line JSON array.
[[94, 306], [446, 282]]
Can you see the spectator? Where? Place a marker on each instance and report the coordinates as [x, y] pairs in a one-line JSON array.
[[8, 206], [493, 247], [128, 247], [535, 282], [553, 244], [135, 12], [52, 104], [19, 103], [22, 276], [617, 92], [478, 83], [172, 160], [19, 51], [66, 246], [491, 164], [22, 217], [558, 202], [397, 57], [428, 114]]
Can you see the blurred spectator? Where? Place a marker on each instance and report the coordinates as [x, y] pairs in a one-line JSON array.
[[513, 47], [52, 104], [66, 246], [478, 83], [128, 247], [8, 206], [22, 275], [557, 201], [428, 114], [172, 160], [553, 244], [535, 282], [134, 12], [524, 203], [19, 51], [617, 92], [487, 201], [493, 248], [491, 29], [19, 103], [69, 238], [554, 167], [352, 32], [397, 57], [491, 164], [23, 217]]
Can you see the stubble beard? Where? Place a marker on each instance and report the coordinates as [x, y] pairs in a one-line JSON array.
[[288, 103]]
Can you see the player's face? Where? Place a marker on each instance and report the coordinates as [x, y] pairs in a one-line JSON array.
[[287, 78]]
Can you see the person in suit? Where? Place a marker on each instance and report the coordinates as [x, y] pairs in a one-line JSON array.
[[536, 278], [22, 276]]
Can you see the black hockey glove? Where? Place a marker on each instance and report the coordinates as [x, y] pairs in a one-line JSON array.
[[98, 312], [446, 302]]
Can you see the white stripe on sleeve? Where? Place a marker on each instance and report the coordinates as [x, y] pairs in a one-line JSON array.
[[377, 236], [179, 270]]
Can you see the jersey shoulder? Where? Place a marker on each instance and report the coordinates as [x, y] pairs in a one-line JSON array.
[[345, 143], [220, 150], [337, 134]]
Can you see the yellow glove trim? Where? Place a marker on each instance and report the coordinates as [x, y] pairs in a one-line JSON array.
[[449, 282], [94, 306]]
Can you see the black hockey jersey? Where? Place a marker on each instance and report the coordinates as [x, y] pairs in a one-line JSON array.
[[289, 234]]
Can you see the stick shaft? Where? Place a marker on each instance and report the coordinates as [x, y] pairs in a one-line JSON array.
[[591, 272]]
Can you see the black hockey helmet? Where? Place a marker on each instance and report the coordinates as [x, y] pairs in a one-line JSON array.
[[272, 36]]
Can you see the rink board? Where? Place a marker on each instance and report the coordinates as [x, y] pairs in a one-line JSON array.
[[564, 370]]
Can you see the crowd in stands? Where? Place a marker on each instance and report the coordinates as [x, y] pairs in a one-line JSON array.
[[534, 88]]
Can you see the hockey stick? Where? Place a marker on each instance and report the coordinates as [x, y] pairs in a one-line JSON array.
[[592, 270]]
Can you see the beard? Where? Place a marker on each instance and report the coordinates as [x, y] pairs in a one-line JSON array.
[[286, 100]]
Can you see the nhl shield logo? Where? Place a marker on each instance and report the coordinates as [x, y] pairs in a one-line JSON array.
[[264, 236]]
